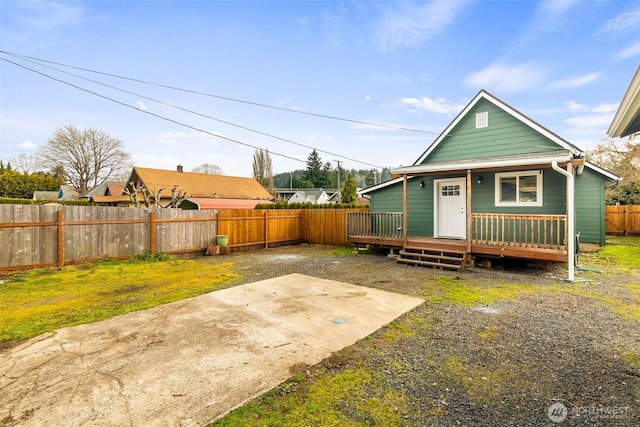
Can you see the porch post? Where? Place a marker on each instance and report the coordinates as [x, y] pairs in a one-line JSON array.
[[570, 233], [405, 222], [468, 211]]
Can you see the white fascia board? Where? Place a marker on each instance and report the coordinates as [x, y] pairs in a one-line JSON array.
[[611, 176], [480, 164], [381, 185], [629, 107], [513, 112]]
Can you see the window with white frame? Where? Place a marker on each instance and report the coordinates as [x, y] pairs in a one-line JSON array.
[[519, 188]]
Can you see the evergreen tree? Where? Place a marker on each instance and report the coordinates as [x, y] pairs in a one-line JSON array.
[[18, 185], [314, 175], [385, 175], [371, 178], [349, 190]]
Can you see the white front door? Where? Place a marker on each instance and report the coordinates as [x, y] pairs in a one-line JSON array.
[[450, 201]]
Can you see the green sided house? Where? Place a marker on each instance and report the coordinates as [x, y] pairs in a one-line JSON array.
[[493, 184]]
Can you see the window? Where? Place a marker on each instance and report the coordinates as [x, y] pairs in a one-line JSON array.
[[482, 120], [519, 188], [450, 190]]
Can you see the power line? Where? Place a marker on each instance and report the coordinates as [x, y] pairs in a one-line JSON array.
[[166, 104], [226, 98], [149, 112]]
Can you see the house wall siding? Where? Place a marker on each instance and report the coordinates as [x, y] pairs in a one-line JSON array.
[[420, 199], [553, 195], [505, 136], [590, 207]]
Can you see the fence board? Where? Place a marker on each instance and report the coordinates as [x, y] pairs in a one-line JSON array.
[[623, 219], [29, 233]]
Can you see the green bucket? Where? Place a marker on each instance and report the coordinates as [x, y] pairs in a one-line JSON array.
[[222, 240]]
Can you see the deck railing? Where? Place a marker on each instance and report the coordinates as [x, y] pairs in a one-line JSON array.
[[530, 231], [375, 224]]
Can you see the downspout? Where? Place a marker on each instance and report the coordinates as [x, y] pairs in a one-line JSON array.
[[571, 250], [405, 211]]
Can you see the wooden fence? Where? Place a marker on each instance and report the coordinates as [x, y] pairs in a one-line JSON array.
[[623, 219], [44, 236]]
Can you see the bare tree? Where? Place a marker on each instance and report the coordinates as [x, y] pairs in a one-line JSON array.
[[26, 163], [262, 168], [88, 156], [620, 156], [208, 168]]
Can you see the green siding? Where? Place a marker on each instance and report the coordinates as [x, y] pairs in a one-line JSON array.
[[590, 207], [420, 208], [505, 136], [553, 195]]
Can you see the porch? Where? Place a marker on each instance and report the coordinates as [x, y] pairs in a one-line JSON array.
[[532, 237]]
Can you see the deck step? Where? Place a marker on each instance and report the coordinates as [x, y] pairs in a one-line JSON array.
[[436, 258], [447, 251]]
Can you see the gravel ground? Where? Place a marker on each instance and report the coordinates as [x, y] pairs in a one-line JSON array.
[[539, 342]]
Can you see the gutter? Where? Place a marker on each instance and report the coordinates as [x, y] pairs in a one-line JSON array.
[[571, 237]]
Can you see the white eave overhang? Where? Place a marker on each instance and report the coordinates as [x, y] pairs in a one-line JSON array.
[[481, 164], [627, 118]]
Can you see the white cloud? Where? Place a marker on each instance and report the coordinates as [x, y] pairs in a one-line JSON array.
[[171, 137], [27, 145], [574, 106], [141, 105], [575, 82], [367, 98], [47, 15], [411, 24], [605, 108], [590, 120], [508, 78], [439, 105], [626, 21], [629, 51], [557, 7]]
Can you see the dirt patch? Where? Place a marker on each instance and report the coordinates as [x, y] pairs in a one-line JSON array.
[[500, 346]]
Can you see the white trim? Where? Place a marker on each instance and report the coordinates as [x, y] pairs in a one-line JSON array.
[[483, 164], [436, 204], [628, 109], [513, 112], [517, 175], [381, 185], [605, 173]]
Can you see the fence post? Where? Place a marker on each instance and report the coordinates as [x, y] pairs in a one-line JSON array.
[[627, 223], [60, 238], [152, 232], [266, 229]]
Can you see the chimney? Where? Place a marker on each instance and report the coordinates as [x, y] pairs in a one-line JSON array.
[[180, 168]]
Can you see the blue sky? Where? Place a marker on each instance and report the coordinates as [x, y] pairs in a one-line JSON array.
[[406, 64]]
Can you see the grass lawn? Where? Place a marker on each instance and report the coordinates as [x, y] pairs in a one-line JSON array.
[[43, 300], [40, 301]]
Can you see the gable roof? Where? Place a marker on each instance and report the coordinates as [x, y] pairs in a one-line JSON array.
[[484, 95], [45, 195], [210, 203], [200, 184], [627, 118], [565, 152], [115, 189], [67, 192]]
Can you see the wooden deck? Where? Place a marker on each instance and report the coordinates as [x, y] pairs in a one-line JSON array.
[[477, 249], [533, 237]]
